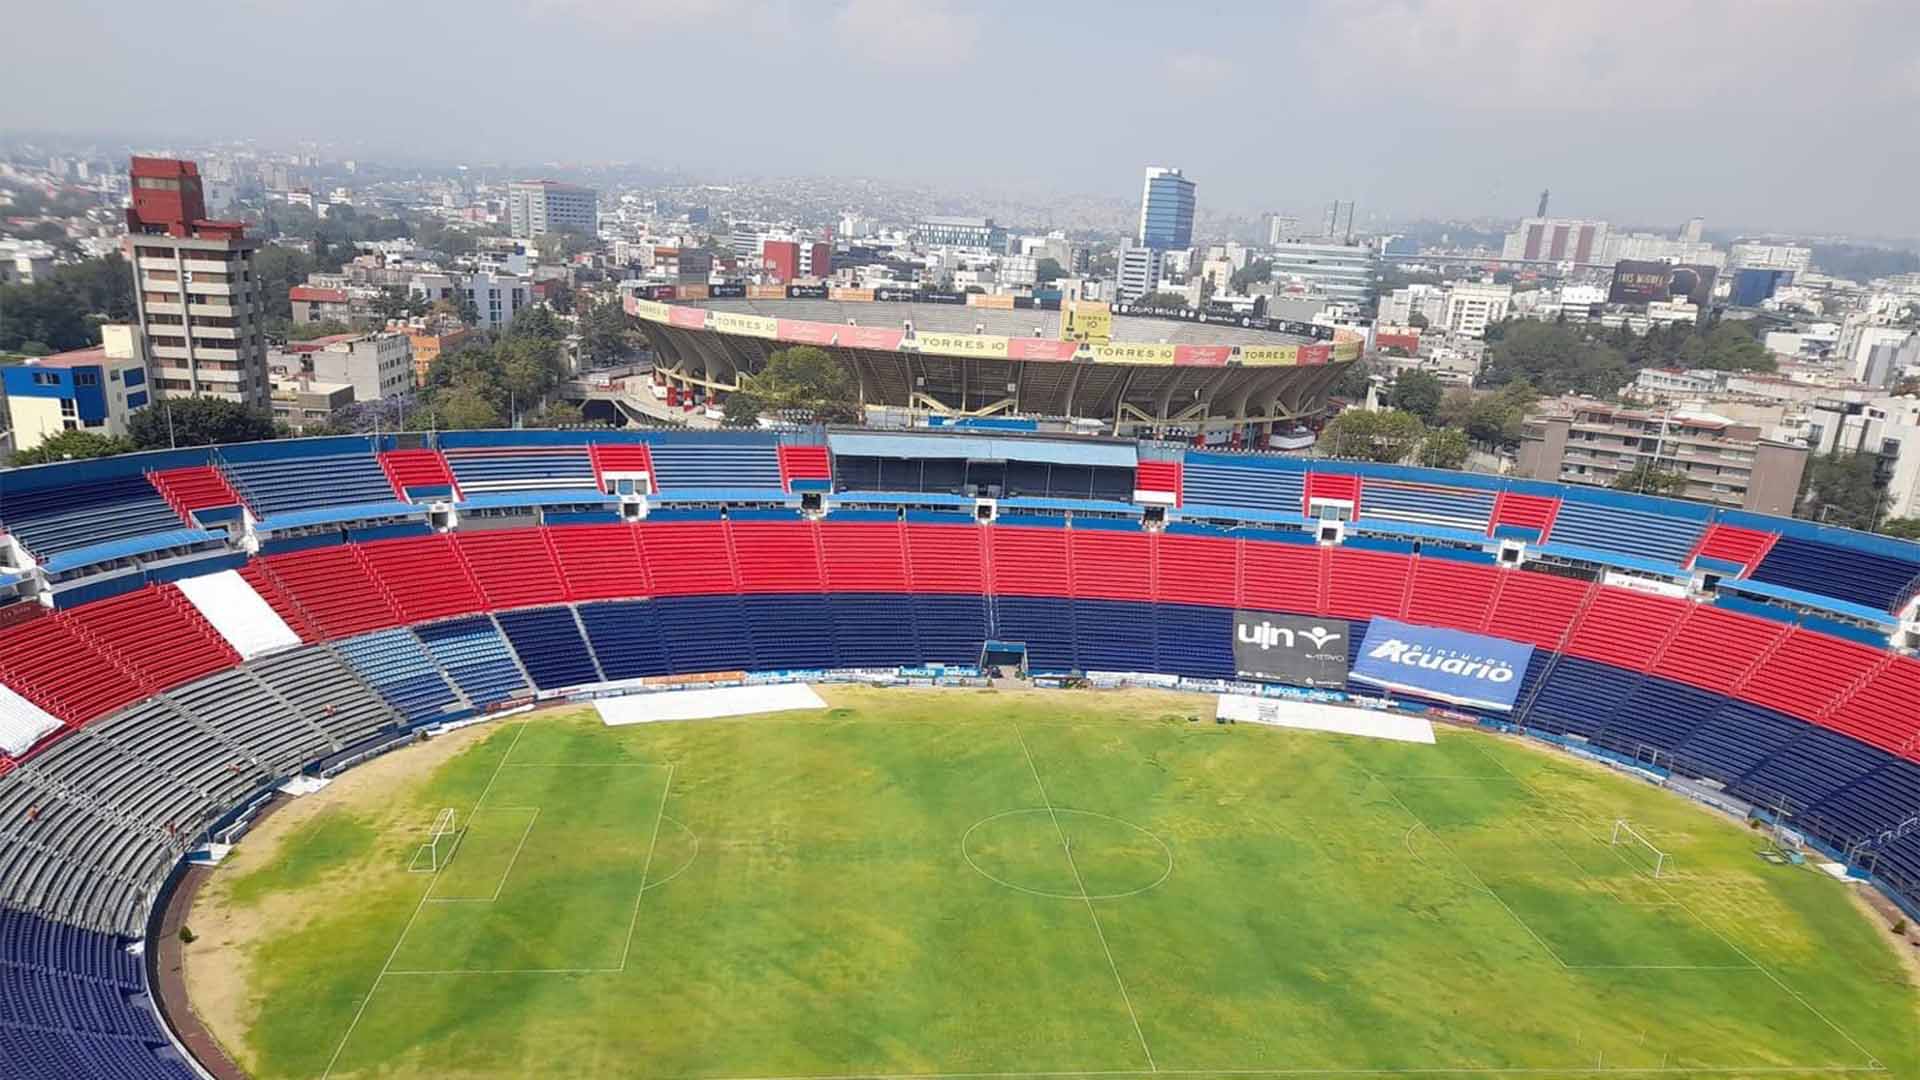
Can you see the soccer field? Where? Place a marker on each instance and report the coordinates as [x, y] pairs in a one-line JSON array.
[[957, 882]]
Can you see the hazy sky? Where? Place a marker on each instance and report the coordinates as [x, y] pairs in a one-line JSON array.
[[1753, 113]]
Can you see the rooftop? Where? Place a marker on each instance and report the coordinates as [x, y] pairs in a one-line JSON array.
[[94, 357]]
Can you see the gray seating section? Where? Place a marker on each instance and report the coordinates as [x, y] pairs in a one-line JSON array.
[[272, 738], [328, 693], [64, 859]]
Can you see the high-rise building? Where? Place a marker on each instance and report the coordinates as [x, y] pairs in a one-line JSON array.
[[781, 259], [1339, 272], [1281, 227], [538, 207], [1545, 239], [196, 294], [1136, 270], [1166, 210], [967, 232], [1473, 306], [1751, 256], [1338, 225], [1694, 230], [497, 297], [1725, 461]]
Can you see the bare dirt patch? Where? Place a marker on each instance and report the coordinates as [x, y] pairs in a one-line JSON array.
[[218, 964]]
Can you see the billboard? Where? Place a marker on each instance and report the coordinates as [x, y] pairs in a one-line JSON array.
[[806, 292], [1029, 348], [727, 290], [1273, 647], [1636, 281], [728, 322], [987, 345], [1090, 321], [1450, 665]]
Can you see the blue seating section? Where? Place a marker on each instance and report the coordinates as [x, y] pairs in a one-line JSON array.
[[1579, 697], [625, 635], [67, 517], [402, 670], [1810, 769], [790, 632], [706, 633], [472, 652], [950, 629], [1865, 578], [275, 486], [1194, 641], [521, 468], [1113, 635], [1044, 625], [1630, 532], [72, 1003], [1737, 737], [709, 465], [1657, 714], [1888, 795], [1426, 504], [876, 630], [550, 646], [1210, 480]]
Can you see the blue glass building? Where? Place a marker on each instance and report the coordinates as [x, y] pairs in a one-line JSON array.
[[1166, 210]]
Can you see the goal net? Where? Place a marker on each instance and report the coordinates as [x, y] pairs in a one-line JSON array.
[[438, 849], [1642, 850]]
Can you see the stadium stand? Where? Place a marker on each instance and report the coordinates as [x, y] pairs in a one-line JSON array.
[[145, 708], [193, 488], [419, 474], [60, 518], [73, 1004], [521, 468], [805, 468], [473, 653]]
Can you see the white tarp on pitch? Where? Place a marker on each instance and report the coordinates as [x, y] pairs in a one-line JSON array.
[[241, 615], [1312, 716], [700, 704]]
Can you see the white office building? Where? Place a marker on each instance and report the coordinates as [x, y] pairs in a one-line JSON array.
[[1136, 270], [1340, 272], [1749, 256], [1472, 307], [538, 207], [376, 365], [498, 297]]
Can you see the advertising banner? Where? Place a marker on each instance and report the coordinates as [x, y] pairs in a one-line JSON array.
[[766, 292], [997, 301], [1297, 649], [984, 345], [692, 318], [806, 292], [1202, 355], [1450, 665], [1270, 355], [1314, 355], [650, 310], [871, 337], [727, 290], [1134, 353], [857, 296], [893, 295], [1027, 348], [693, 292], [1639, 281], [728, 322], [808, 333], [1090, 321]]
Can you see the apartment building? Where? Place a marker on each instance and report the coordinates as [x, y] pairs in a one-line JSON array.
[[1725, 462]]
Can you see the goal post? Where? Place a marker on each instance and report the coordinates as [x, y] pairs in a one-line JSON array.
[[438, 849], [1625, 833]]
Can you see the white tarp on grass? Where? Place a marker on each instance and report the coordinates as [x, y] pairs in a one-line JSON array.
[[1312, 716], [700, 704]]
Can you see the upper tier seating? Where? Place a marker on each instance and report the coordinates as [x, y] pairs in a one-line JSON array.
[[513, 567], [193, 488], [1427, 504], [50, 663], [66, 517], [1219, 480], [1630, 532], [274, 486], [1861, 577], [154, 634], [423, 577], [521, 468], [472, 651], [705, 464], [418, 474]]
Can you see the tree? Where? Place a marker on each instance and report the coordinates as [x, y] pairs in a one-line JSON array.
[[1905, 528], [1418, 392], [810, 380], [1490, 419], [1354, 382], [197, 421], [1047, 271], [536, 322], [72, 446], [1444, 448], [1649, 479], [559, 413], [1842, 489], [1385, 436], [1256, 270], [604, 333], [64, 311], [1417, 321], [1163, 300], [457, 409], [556, 247], [1557, 357], [743, 408]]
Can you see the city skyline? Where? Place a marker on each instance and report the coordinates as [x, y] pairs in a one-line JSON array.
[[1656, 119]]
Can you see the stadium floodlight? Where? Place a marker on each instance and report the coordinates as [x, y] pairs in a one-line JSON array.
[[438, 849], [1626, 833]]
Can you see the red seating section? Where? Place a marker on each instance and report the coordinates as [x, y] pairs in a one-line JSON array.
[[513, 567], [1534, 512], [154, 634], [196, 487], [1731, 543], [803, 463], [1158, 476], [417, 469], [621, 458], [422, 577], [1341, 487], [599, 562], [84, 663]]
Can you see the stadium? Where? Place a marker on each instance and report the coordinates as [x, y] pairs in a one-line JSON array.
[[834, 753], [1143, 373]]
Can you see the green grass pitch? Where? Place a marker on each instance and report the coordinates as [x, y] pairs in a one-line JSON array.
[[1074, 884]]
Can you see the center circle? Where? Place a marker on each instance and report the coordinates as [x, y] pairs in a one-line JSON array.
[[1066, 854]]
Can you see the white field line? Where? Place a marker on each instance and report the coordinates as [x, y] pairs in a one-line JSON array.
[[417, 908], [645, 869], [504, 874], [1091, 910], [1872, 1061], [1467, 1070]]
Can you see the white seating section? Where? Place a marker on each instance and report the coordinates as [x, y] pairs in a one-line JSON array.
[[241, 616], [22, 723]]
